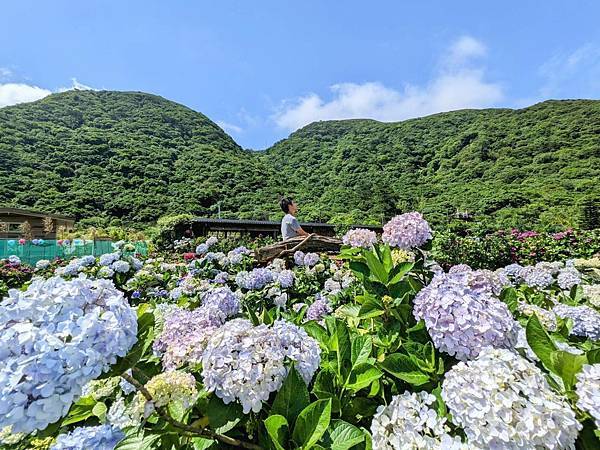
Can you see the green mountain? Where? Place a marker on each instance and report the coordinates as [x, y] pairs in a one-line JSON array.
[[134, 157]]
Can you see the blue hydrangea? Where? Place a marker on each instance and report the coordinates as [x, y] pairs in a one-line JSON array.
[[102, 437], [54, 338], [254, 280], [220, 303], [319, 308], [586, 320], [221, 278], [121, 266], [306, 259], [108, 258], [202, 249], [286, 279], [14, 260], [568, 278], [536, 277], [88, 260]]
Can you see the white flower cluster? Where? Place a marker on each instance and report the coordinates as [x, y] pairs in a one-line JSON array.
[[462, 315], [54, 338], [360, 238], [592, 293], [503, 401], [246, 363], [588, 391], [586, 321], [547, 318], [409, 422]]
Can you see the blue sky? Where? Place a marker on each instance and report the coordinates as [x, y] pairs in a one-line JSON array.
[[262, 69]]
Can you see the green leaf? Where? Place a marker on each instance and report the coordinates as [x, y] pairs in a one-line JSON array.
[[567, 365], [99, 410], [404, 368], [222, 417], [372, 307], [399, 271], [340, 344], [80, 411], [362, 376], [376, 267], [292, 397], [386, 257], [318, 332], [278, 431], [361, 349], [593, 356], [312, 423], [137, 440], [360, 269], [539, 341], [342, 436]]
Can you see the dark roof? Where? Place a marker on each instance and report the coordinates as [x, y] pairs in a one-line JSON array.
[[29, 212], [210, 221]]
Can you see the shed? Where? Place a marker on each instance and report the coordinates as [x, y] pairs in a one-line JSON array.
[[17, 222]]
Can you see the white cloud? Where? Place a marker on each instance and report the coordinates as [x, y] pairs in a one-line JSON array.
[[5, 72], [229, 127], [13, 93], [455, 86], [572, 74]]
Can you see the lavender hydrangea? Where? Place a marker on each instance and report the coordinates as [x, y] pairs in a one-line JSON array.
[[588, 391], [306, 259], [286, 279], [220, 303], [410, 422], [406, 231], [221, 278], [586, 321], [14, 260], [568, 278], [42, 264], [319, 308], [247, 363], [55, 337], [360, 238], [463, 316], [212, 241], [202, 249], [102, 437], [503, 401], [255, 279], [121, 266], [536, 277]]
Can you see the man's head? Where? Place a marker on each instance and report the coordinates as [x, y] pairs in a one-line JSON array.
[[288, 206]]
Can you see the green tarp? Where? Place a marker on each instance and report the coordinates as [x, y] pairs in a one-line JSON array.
[[50, 249]]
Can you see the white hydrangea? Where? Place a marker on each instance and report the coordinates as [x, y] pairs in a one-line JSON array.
[[54, 338], [588, 391], [503, 401], [547, 318], [592, 293], [246, 363], [409, 422]]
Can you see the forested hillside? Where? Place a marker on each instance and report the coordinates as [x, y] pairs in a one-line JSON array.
[[135, 157]]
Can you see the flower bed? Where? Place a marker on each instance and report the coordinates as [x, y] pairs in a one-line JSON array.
[[378, 347]]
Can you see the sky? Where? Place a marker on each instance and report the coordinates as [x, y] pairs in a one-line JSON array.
[[262, 69]]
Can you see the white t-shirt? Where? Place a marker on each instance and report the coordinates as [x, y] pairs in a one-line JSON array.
[[289, 227]]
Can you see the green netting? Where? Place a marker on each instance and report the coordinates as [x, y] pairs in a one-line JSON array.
[[50, 249]]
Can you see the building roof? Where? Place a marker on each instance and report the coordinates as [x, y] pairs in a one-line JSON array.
[[29, 212]]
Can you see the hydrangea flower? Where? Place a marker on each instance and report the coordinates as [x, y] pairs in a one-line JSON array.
[[406, 231], [105, 272], [503, 401], [54, 338], [319, 308], [102, 437], [173, 386], [212, 241], [536, 277], [255, 279], [410, 422], [286, 279], [87, 260], [14, 260], [306, 259], [463, 316], [201, 249], [42, 264], [121, 266], [247, 363], [221, 278], [281, 300], [299, 258], [568, 278], [588, 391], [220, 303], [360, 238], [586, 321], [108, 258], [460, 268], [547, 318], [592, 293]]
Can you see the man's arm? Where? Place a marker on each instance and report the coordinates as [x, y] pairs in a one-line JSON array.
[[297, 228]]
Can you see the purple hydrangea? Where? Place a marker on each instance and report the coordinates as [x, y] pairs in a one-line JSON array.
[[568, 278], [311, 259], [406, 231], [299, 258], [286, 279], [319, 308], [102, 437], [463, 315], [254, 280], [360, 238], [460, 268]]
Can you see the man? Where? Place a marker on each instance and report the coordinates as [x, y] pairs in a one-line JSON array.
[[289, 224]]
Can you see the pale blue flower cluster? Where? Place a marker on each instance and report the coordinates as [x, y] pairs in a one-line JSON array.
[[255, 279], [102, 437], [319, 308], [54, 338], [586, 320], [121, 266], [568, 278], [463, 315], [286, 279], [306, 259], [221, 278], [42, 264], [108, 258], [406, 231], [220, 303], [14, 260], [201, 249], [360, 238], [247, 363]]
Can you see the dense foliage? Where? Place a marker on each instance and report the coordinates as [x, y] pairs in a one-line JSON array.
[[133, 157], [374, 348]]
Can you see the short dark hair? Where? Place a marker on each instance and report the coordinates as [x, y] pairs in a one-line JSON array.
[[285, 204]]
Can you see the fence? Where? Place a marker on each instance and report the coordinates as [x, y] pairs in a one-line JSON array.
[[50, 249]]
